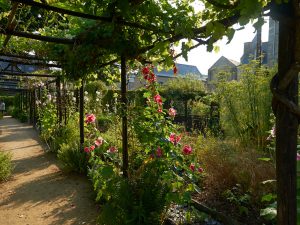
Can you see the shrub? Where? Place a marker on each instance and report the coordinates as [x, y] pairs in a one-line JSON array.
[[5, 166], [246, 105], [72, 157]]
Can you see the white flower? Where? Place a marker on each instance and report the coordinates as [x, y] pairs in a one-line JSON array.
[[49, 97], [98, 92], [97, 99], [86, 93], [74, 99]]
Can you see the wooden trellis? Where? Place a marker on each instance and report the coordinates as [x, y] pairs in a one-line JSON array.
[[284, 88]]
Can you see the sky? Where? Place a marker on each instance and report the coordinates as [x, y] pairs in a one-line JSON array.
[[234, 50]]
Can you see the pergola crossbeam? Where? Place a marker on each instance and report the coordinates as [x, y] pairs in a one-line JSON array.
[[27, 74]]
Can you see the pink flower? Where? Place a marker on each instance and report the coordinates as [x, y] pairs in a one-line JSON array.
[[145, 70], [172, 112], [159, 110], [159, 152], [192, 167], [187, 150], [298, 156], [99, 141], [92, 148], [90, 118], [200, 170], [87, 149], [158, 99], [174, 139], [112, 149]]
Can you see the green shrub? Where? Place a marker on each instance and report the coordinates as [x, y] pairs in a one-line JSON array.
[[246, 105], [5, 165], [72, 157], [20, 115]]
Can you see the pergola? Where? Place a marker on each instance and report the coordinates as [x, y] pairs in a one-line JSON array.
[[284, 85]]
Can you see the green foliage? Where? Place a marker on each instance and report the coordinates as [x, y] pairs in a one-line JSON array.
[[72, 157], [246, 105], [20, 115], [5, 166], [139, 200]]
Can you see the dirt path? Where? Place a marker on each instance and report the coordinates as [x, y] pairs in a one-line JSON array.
[[39, 193]]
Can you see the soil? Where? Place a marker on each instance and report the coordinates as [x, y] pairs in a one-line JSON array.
[[39, 192]]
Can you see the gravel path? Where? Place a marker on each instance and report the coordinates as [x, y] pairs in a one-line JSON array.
[[39, 193]]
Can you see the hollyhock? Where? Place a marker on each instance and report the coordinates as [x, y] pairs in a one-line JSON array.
[[87, 149], [175, 69], [90, 118], [157, 99], [172, 112], [200, 170], [159, 110], [112, 149], [192, 167], [92, 148], [187, 150], [99, 141], [159, 152], [174, 139], [145, 70]]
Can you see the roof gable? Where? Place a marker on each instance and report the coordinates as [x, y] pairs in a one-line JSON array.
[[223, 61]]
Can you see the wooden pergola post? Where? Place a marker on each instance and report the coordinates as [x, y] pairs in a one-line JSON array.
[[285, 103], [58, 100], [81, 114], [124, 116]]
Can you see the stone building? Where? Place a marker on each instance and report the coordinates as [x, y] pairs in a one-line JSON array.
[[223, 64], [269, 48]]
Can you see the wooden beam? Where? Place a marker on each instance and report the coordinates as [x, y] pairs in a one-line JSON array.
[[24, 56], [10, 24], [25, 74], [37, 37], [30, 63], [64, 11], [89, 16]]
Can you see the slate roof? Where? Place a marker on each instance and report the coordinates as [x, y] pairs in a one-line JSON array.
[[182, 70]]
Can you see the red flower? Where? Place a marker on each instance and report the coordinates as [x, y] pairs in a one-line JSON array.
[[159, 152], [145, 70], [157, 99], [159, 110], [87, 149], [175, 69], [187, 150], [90, 118], [174, 138], [92, 148], [200, 170], [172, 112], [192, 167]]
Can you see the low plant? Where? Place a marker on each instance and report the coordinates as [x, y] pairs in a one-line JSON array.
[[5, 166], [73, 158]]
